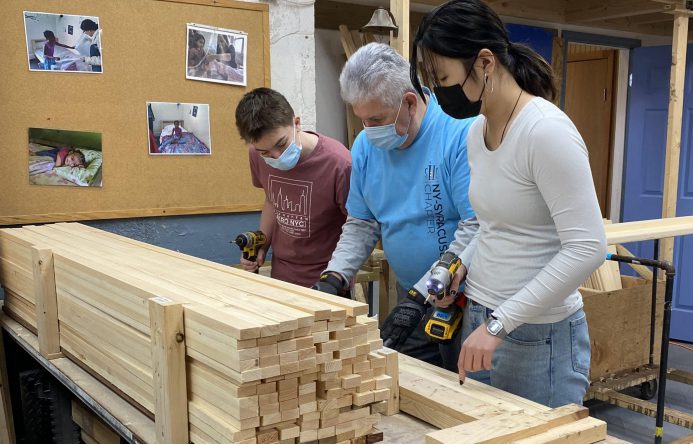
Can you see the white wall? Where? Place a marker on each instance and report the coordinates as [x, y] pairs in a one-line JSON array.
[[329, 60], [292, 52], [167, 112], [198, 125]]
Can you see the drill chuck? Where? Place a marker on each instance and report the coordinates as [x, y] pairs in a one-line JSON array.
[[243, 240], [439, 282]]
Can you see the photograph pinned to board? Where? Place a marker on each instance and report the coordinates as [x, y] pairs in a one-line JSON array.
[[63, 42], [64, 157], [178, 128], [216, 55]]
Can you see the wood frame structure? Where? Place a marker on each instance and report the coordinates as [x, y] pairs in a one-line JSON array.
[[648, 17]]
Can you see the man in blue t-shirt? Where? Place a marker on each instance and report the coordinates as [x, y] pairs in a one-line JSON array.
[[409, 187]]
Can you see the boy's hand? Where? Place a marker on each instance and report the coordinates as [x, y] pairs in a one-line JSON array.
[[253, 266]]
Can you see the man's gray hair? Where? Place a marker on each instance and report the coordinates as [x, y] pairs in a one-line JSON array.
[[376, 72]]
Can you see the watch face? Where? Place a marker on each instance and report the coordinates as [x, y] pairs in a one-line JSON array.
[[494, 327]]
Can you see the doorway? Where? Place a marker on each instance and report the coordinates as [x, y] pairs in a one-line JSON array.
[[589, 102]]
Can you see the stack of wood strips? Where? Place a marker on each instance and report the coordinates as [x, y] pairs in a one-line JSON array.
[[607, 277], [266, 361], [475, 413]]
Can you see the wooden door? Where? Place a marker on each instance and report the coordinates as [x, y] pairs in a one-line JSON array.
[[646, 134], [588, 102]]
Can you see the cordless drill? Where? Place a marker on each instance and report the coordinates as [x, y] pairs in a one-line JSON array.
[[444, 322], [249, 243]]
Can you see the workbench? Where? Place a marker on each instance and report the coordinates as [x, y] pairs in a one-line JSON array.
[[136, 427]]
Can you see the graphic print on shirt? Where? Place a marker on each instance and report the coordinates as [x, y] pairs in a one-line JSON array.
[[291, 200], [433, 206]]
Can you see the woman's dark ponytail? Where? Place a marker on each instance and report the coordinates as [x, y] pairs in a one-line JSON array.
[[531, 72], [459, 29]]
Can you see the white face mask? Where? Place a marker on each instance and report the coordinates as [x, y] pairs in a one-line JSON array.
[[385, 137], [288, 159]]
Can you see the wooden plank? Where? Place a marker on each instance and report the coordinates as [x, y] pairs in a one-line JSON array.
[[392, 370], [92, 425], [613, 10], [672, 416], [46, 303], [323, 309], [681, 376], [278, 289], [126, 214], [648, 229], [140, 281], [18, 279], [440, 405], [688, 439], [585, 431], [168, 355], [400, 11], [508, 426], [471, 388], [674, 122]]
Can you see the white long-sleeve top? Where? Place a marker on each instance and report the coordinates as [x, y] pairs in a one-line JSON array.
[[540, 227]]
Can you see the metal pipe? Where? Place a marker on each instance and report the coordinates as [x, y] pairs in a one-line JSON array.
[[653, 310], [670, 271]]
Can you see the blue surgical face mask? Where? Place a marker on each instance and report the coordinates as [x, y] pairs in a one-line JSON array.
[[385, 137], [288, 159]]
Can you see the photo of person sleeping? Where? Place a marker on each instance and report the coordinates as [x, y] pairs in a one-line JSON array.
[[216, 55], [69, 158], [63, 42], [178, 128]]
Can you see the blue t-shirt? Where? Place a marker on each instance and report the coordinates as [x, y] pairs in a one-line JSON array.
[[417, 194]]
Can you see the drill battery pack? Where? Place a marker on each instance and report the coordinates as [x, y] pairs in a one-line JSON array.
[[444, 323]]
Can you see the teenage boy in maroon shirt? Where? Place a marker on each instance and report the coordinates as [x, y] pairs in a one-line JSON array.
[[305, 177]]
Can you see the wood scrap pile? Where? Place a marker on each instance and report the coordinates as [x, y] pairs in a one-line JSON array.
[[607, 277], [265, 361], [475, 413]]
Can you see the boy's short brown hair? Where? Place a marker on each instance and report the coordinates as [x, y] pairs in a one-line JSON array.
[[260, 111]]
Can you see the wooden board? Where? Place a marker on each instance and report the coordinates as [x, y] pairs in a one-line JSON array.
[[113, 103], [648, 229]]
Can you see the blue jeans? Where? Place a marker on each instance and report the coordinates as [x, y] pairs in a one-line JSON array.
[[546, 363]]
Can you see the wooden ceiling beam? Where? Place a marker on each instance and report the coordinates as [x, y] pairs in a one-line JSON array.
[[613, 10]]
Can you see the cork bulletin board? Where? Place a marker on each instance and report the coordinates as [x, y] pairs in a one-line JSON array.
[[143, 48]]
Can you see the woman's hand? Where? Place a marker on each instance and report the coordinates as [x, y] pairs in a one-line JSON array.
[[459, 276], [477, 352]]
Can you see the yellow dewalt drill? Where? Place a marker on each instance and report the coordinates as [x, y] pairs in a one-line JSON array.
[[249, 243], [444, 322]]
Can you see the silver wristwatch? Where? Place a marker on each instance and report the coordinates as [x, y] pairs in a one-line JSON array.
[[495, 327]]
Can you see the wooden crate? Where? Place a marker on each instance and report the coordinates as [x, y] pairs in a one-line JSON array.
[[619, 326]]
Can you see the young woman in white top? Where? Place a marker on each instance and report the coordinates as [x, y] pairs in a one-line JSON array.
[[541, 231]]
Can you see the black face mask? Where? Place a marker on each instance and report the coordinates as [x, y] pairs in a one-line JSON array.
[[455, 103]]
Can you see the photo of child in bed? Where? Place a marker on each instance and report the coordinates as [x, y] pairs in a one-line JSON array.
[[178, 128], [216, 56], [62, 157]]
